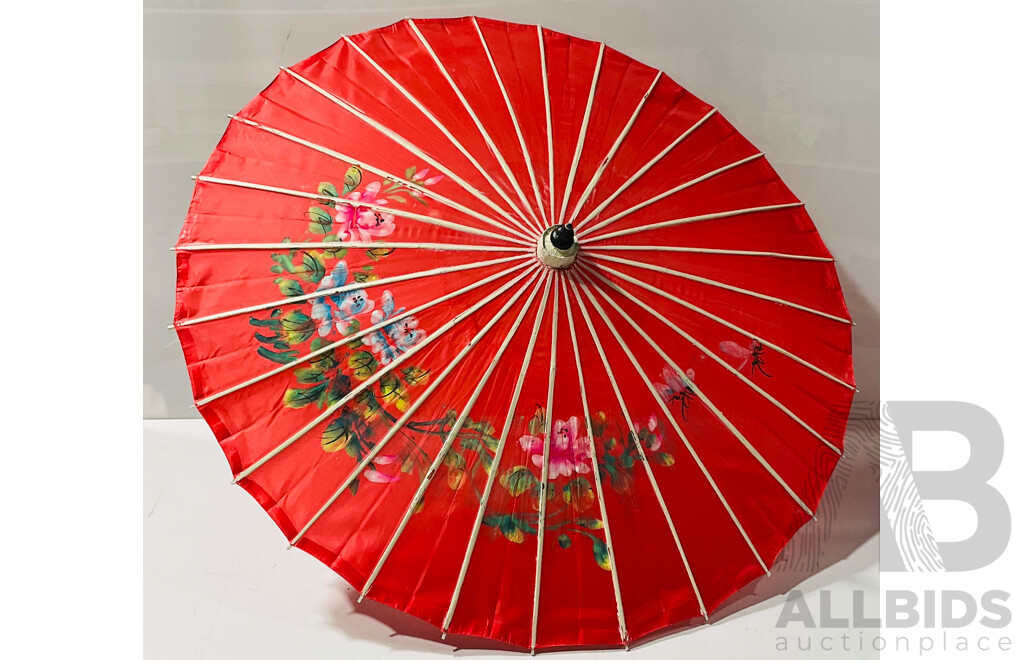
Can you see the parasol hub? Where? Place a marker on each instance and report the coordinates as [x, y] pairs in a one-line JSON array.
[[557, 246]]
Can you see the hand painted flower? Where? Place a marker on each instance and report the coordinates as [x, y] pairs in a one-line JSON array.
[[570, 453], [395, 338], [422, 179], [358, 223], [338, 308], [652, 437]]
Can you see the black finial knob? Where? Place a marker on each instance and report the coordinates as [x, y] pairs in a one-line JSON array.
[[563, 237]]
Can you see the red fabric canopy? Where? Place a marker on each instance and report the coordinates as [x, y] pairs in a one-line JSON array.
[[377, 336]]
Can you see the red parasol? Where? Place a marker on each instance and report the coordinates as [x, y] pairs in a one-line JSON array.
[[513, 332]]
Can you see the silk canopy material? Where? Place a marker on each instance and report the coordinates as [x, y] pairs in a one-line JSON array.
[[513, 332]]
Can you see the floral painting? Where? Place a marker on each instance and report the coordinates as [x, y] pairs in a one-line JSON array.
[[572, 511]]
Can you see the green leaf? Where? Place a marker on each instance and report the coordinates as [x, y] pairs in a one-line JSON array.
[[354, 486], [271, 339], [314, 265], [300, 397], [391, 390], [517, 480], [662, 458], [281, 358], [352, 178], [324, 362], [454, 460], [309, 375], [289, 287], [319, 220], [483, 426], [318, 343], [362, 364], [397, 198], [578, 493], [411, 172], [272, 323], [487, 462], [601, 555], [327, 189], [363, 278], [352, 327], [341, 385], [536, 423], [564, 540], [509, 526], [414, 375], [590, 523], [378, 253], [296, 327], [332, 251], [337, 435]]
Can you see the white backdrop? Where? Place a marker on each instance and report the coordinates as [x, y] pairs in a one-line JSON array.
[[799, 78]]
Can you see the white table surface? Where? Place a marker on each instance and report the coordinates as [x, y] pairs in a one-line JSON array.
[[220, 581]]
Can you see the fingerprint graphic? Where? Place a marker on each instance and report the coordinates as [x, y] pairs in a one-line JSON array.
[[903, 505]]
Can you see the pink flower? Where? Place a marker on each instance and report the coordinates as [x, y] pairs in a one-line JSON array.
[[379, 477], [652, 436], [420, 177], [569, 452], [358, 223]]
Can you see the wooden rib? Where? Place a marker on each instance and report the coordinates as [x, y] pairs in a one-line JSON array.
[[669, 193], [456, 428], [696, 390], [479, 126], [642, 453], [711, 354], [377, 376], [713, 317], [721, 285], [421, 189], [595, 466], [515, 123], [547, 114], [349, 287], [358, 335], [410, 147], [545, 466], [418, 217], [583, 134], [691, 219], [696, 250], [495, 465], [643, 170], [612, 151]]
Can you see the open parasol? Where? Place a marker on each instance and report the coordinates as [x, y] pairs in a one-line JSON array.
[[513, 332]]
